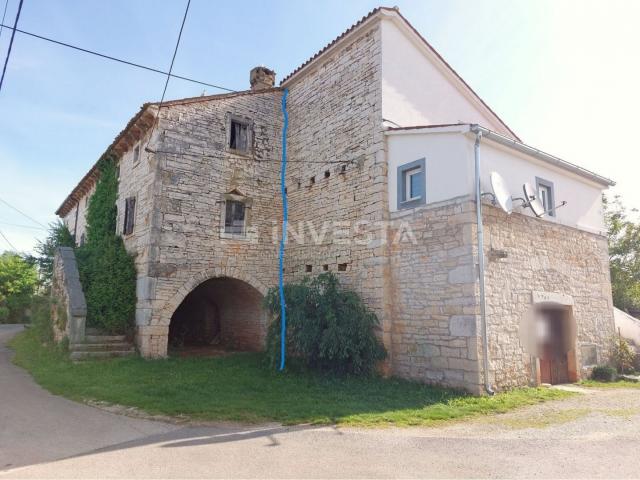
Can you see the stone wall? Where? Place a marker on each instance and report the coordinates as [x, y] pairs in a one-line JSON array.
[[337, 173], [435, 326], [68, 307], [194, 169], [542, 256]]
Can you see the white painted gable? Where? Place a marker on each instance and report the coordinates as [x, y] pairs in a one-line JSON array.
[[418, 88]]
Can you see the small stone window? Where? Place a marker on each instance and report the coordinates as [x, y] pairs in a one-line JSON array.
[[308, 268], [411, 184], [239, 134], [327, 174], [342, 267], [234, 217], [136, 154], [129, 215]]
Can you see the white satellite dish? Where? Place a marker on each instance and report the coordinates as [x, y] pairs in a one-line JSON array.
[[532, 201], [500, 193]]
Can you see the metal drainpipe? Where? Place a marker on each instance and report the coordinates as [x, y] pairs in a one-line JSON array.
[[483, 300]]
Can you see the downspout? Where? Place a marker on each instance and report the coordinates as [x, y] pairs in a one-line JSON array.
[[483, 300]]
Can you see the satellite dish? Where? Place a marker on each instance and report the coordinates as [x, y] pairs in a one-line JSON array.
[[532, 201], [500, 193]]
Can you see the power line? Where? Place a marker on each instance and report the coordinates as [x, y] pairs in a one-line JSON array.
[[7, 240], [21, 226], [166, 83], [115, 59], [24, 214], [13, 34], [4, 14]]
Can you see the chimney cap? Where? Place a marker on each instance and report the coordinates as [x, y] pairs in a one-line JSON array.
[[262, 77]]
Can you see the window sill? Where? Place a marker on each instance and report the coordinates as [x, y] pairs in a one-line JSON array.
[[234, 236], [240, 153]]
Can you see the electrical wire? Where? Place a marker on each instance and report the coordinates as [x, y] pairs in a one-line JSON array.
[[166, 83], [4, 14], [283, 239], [7, 240], [13, 34], [115, 59], [24, 214], [21, 226]]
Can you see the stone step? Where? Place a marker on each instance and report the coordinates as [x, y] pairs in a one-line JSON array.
[[96, 347], [97, 355], [105, 338]]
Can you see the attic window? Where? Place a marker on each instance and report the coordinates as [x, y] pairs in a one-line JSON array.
[[239, 135]]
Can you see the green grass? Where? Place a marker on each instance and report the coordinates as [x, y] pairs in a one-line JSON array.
[[240, 388], [616, 384]]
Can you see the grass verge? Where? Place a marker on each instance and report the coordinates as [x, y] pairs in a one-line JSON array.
[[241, 388], [616, 384]]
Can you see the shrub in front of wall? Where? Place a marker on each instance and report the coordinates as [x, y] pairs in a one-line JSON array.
[[107, 271], [622, 355], [328, 328], [603, 373]]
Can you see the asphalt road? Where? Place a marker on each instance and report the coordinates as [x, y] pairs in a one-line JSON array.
[[593, 435]]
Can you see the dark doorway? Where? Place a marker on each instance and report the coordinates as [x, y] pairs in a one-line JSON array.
[[220, 315], [557, 354]]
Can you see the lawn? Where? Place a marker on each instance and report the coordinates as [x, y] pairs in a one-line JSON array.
[[240, 388]]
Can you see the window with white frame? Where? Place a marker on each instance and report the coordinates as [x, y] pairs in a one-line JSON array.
[[546, 195], [411, 184]]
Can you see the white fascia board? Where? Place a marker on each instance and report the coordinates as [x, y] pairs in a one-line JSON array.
[[462, 128], [540, 155]]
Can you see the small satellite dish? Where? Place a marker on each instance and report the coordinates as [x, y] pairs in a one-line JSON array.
[[500, 192], [532, 201]]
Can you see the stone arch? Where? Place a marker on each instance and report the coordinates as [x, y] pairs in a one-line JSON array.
[[219, 272]]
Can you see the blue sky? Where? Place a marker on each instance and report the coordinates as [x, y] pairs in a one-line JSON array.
[[564, 75]]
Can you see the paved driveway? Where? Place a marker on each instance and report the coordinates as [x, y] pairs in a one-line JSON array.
[[593, 435]]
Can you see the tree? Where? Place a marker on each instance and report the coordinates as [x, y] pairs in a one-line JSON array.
[[59, 236], [18, 280], [624, 255]]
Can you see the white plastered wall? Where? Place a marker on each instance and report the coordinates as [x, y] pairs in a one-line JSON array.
[[418, 89], [449, 159]]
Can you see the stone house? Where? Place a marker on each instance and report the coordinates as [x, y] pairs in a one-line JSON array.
[[380, 187]]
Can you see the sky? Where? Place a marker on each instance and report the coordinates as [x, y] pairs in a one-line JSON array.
[[563, 74]]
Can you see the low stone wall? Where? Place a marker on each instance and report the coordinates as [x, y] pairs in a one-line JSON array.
[[68, 306]]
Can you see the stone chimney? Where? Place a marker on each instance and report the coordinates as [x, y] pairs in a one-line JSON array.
[[261, 78]]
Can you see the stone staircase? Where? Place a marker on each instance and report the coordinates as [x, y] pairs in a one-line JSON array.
[[100, 345]]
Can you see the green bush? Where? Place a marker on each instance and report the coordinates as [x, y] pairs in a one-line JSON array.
[[603, 373], [18, 281], [107, 271], [329, 328], [622, 355]]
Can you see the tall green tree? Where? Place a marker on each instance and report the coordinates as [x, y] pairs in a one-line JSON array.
[[624, 254], [18, 281], [58, 236]]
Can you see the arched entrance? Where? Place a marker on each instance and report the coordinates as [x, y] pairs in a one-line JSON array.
[[220, 314]]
